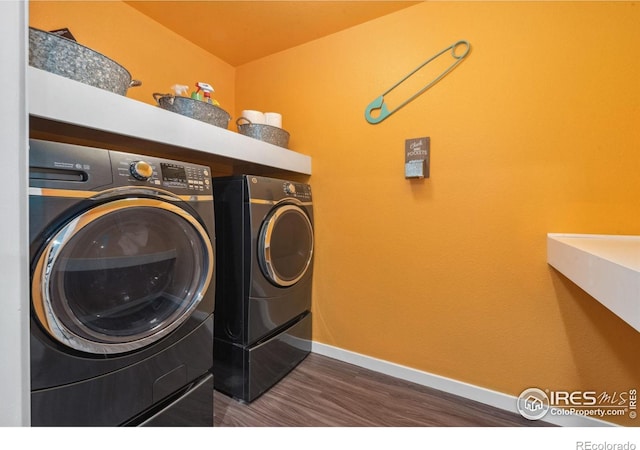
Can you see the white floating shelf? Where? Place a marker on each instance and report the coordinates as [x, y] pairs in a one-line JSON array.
[[60, 105], [607, 267]]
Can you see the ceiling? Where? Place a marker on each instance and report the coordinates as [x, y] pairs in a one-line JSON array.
[[241, 31]]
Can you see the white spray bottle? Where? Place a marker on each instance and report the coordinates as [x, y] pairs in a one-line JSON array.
[[180, 89]]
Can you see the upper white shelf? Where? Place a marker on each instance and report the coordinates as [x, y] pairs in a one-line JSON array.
[[607, 267], [89, 112]]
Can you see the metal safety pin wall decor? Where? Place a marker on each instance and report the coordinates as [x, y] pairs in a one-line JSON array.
[[379, 105]]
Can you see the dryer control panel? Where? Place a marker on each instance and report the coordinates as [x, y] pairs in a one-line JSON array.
[[297, 190], [274, 189]]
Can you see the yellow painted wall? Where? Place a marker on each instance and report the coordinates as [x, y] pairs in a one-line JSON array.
[[537, 131], [150, 52]]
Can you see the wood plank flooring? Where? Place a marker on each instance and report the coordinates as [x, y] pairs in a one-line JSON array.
[[324, 392]]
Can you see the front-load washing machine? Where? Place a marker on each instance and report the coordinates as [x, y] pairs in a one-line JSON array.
[[122, 288], [265, 247]]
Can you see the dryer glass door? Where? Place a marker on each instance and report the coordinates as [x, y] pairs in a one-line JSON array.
[[122, 275], [285, 247]]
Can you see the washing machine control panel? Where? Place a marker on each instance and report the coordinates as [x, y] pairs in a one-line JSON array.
[[172, 175], [297, 190]]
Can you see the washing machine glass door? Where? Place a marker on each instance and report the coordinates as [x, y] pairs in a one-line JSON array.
[[122, 275], [285, 245]]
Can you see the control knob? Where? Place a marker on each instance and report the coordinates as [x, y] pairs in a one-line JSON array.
[[290, 188], [141, 170]]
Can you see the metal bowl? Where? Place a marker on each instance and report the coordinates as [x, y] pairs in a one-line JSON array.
[[196, 109], [267, 133], [67, 58]]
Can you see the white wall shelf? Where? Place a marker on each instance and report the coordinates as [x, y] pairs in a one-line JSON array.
[[64, 108], [607, 267]]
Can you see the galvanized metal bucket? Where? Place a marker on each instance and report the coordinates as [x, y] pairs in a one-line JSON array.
[[67, 58], [267, 133], [196, 109]]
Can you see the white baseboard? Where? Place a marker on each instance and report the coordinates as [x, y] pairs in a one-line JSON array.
[[469, 391]]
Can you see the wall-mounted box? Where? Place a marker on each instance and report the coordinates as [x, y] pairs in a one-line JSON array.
[[417, 153]]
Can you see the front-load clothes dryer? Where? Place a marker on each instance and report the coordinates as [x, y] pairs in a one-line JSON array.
[[265, 237], [122, 288]]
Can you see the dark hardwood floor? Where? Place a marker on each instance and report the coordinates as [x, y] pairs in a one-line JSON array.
[[324, 392]]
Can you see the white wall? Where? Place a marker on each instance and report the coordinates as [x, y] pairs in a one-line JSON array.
[[14, 246]]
